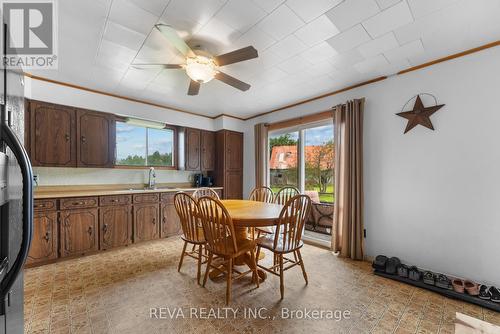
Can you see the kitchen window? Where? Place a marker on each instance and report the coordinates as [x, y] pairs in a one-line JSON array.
[[145, 146]]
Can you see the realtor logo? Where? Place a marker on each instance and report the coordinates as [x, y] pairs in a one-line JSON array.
[[32, 30]]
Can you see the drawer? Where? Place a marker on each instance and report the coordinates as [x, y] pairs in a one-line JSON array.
[[45, 204], [169, 197], [115, 200], [78, 202], [146, 198]]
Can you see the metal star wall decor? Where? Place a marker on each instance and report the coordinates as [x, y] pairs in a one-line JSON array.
[[419, 115]]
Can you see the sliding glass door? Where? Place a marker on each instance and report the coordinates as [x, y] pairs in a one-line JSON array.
[[303, 157]]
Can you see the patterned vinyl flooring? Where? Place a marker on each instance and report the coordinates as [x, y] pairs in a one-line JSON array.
[[137, 289]]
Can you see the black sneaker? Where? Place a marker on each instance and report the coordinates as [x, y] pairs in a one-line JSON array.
[[495, 294], [484, 293]]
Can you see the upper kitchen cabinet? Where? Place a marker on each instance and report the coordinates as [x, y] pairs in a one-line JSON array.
[[199, 150], [192, 145], [207, 151], [62, 136], [96, 139], [229, 163], [52, 135], [234, 150]]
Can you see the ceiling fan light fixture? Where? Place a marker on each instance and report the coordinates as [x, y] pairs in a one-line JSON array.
[[201, 69]]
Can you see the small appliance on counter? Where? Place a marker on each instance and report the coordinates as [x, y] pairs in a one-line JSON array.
[[203, 181], [198, 180]]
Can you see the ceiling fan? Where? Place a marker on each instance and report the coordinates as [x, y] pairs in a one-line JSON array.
[[201, 67]]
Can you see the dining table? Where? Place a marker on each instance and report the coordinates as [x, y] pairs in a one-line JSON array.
[[247, 214]]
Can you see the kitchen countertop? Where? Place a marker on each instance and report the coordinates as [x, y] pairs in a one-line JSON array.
[[44, 192]]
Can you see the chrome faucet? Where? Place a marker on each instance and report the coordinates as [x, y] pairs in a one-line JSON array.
[[152, 178]]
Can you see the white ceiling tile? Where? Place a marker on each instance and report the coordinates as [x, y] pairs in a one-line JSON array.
[[269, 58], [240, 14], [81, 9], [371, 65], [389, 19], [318, 53], [393, 68], [268, 5], [317, 31], [352, 12], [421, 8], [218, 31], [155, 7], [429, 24], [281, 23], [116, 52], [311, 9], [294, 64], [257, 38], [272, 75], [173, 78], [378, 45], [190, 15], [383, 4], [408, 50], [349, 39], [124, 36], [288, 47], [131, 16], [323, 67], [345, 60], [111, 63]]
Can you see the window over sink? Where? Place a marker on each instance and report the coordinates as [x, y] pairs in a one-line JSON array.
[[143, 146]]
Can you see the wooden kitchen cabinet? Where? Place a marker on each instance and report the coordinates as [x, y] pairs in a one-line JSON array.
[[44, 244], [79, 233], [52, 135], [96, 139], [146, 224], [115, 226], [207, 151], [192, 149], [170, 221], [229, 163]]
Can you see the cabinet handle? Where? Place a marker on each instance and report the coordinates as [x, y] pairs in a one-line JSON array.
[[84, 139], [66, 137], [90, 230], [47, 236], [78, 203], [154, 221], [164, 220], [105, 227]]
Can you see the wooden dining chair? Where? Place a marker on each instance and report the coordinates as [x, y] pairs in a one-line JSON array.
[[202, 192], [261, 194], [221, 242], [285, 193], [287, 238], [188, 211]]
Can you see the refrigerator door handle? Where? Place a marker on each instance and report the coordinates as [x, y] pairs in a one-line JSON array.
[[9, 137]]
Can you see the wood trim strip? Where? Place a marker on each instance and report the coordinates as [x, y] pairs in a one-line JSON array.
[[320, 97], [319, 116], [450, 57]]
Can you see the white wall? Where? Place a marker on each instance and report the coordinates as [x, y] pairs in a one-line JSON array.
[[431, 197]]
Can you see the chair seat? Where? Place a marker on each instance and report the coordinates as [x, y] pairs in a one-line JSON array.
[[265, 229], [267, 242], [243, 247], [198, 239]]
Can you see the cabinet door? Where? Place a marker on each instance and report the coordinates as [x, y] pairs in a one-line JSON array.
[[53, 137], [233, 187], [96, 139], [193, 141], [145, 222], [115, 225], [234, 151], [170, 222], [44, 244], [207, 151], [78, 231]]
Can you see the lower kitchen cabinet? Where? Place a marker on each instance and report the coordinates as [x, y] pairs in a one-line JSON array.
[[146, 226], [170, 222], [115, 226], [78, 232], [44, 245]]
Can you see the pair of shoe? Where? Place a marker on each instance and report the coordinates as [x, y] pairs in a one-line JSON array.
[[461, 286], [491, 293]]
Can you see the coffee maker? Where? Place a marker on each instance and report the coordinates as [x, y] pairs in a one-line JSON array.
[[198, 180]]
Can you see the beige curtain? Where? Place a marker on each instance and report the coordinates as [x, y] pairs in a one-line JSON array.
[[261, 155], [347, 236]]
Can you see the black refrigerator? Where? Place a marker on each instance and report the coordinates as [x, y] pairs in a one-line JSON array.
[[16, 198]]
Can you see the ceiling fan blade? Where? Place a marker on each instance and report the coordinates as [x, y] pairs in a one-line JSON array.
[[171, 35], [236, 56], [231, 81], [166, 66], [194, 87]]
